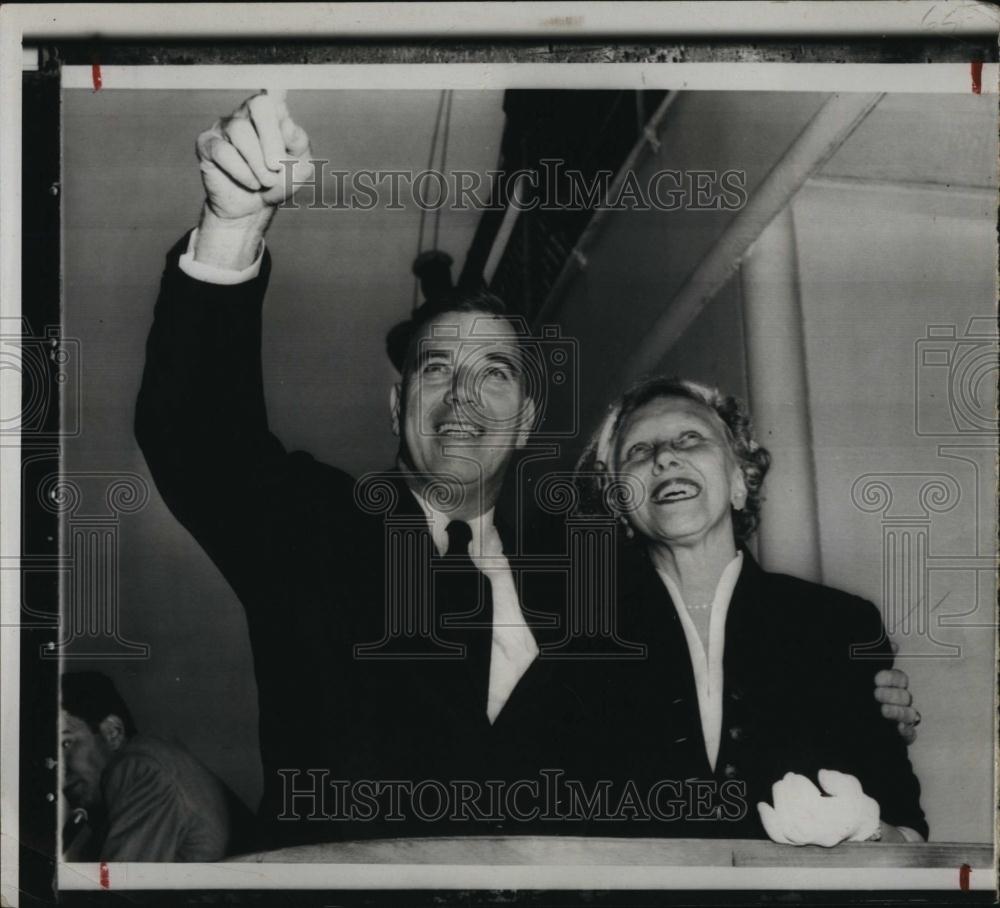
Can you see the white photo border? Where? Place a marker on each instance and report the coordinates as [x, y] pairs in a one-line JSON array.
[[44, 22]]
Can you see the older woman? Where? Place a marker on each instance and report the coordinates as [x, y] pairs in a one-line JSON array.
[[749, 693]]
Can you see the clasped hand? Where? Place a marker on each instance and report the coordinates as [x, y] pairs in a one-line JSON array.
[[802, 815]]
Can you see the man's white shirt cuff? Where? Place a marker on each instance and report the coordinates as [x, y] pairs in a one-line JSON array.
[[213, 274]]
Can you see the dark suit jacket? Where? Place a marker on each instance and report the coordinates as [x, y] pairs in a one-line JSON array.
[[305, 550], [794, 699]]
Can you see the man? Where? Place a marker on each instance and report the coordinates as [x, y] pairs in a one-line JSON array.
[[389, 620], [140, 798]]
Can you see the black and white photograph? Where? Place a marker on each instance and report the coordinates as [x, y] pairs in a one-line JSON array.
[[504, 477]]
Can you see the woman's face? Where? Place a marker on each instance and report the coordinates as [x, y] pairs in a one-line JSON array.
[[678, 452]]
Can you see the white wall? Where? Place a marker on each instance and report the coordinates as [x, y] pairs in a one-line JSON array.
[[878, 264]]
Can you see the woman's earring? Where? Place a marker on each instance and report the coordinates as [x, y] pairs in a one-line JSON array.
[[629, 532]]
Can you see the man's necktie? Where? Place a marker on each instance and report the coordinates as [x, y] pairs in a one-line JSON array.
[[468, 602]]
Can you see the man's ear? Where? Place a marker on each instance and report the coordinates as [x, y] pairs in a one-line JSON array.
[[112, 729], [395, 394], [527, 423]]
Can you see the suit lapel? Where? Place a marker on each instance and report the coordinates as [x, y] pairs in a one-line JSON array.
[[743, 661], [743, 621], [667, 698], [463, 701], [444, 684]]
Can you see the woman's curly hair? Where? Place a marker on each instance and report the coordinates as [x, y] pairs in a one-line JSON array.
[[594, 468]]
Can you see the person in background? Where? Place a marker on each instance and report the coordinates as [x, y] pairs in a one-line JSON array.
[[134, 797], [751, 683]]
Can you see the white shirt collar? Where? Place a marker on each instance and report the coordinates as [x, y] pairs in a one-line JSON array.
[[514, 647], [484, 533]]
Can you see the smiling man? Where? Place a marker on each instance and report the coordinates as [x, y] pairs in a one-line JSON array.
[[464, 406], [403, 661], [401, 689]]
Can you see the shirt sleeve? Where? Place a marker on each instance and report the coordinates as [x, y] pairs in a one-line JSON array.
[[212, 274]]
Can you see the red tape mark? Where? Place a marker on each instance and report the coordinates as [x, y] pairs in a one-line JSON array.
[[95, 75], [977, 77], [105, 876], [963, 877]]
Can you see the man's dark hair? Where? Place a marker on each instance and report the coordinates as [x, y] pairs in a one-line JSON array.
[[399, 342], [92, 696]]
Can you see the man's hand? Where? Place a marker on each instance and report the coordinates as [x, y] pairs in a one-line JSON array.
[[250, 163], [897, 702], [801, 815]]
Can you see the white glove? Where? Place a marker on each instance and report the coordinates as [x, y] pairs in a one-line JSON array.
[[801, 815]]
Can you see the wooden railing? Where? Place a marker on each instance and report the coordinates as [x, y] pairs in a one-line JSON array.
[[563, 850]]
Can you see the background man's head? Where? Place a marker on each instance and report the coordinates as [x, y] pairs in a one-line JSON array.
[[464, 403], [95, 723]]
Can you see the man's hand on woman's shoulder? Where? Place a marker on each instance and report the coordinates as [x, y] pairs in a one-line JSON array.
[[891, 690]]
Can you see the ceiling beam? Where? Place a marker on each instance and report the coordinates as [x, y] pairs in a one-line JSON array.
[[833, 123]]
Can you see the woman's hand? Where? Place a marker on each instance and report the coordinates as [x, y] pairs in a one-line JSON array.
[[801, 815]]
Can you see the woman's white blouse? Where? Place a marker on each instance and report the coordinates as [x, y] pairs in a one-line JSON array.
[[708, 666]]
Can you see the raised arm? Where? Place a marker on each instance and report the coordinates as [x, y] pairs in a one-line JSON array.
[[200, 416]]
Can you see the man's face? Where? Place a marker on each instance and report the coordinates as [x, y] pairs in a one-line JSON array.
[[678, 452], [462, 408], [85, 754]]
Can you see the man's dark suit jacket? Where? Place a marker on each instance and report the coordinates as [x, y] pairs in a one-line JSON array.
[[304, 548], [794, 700]]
